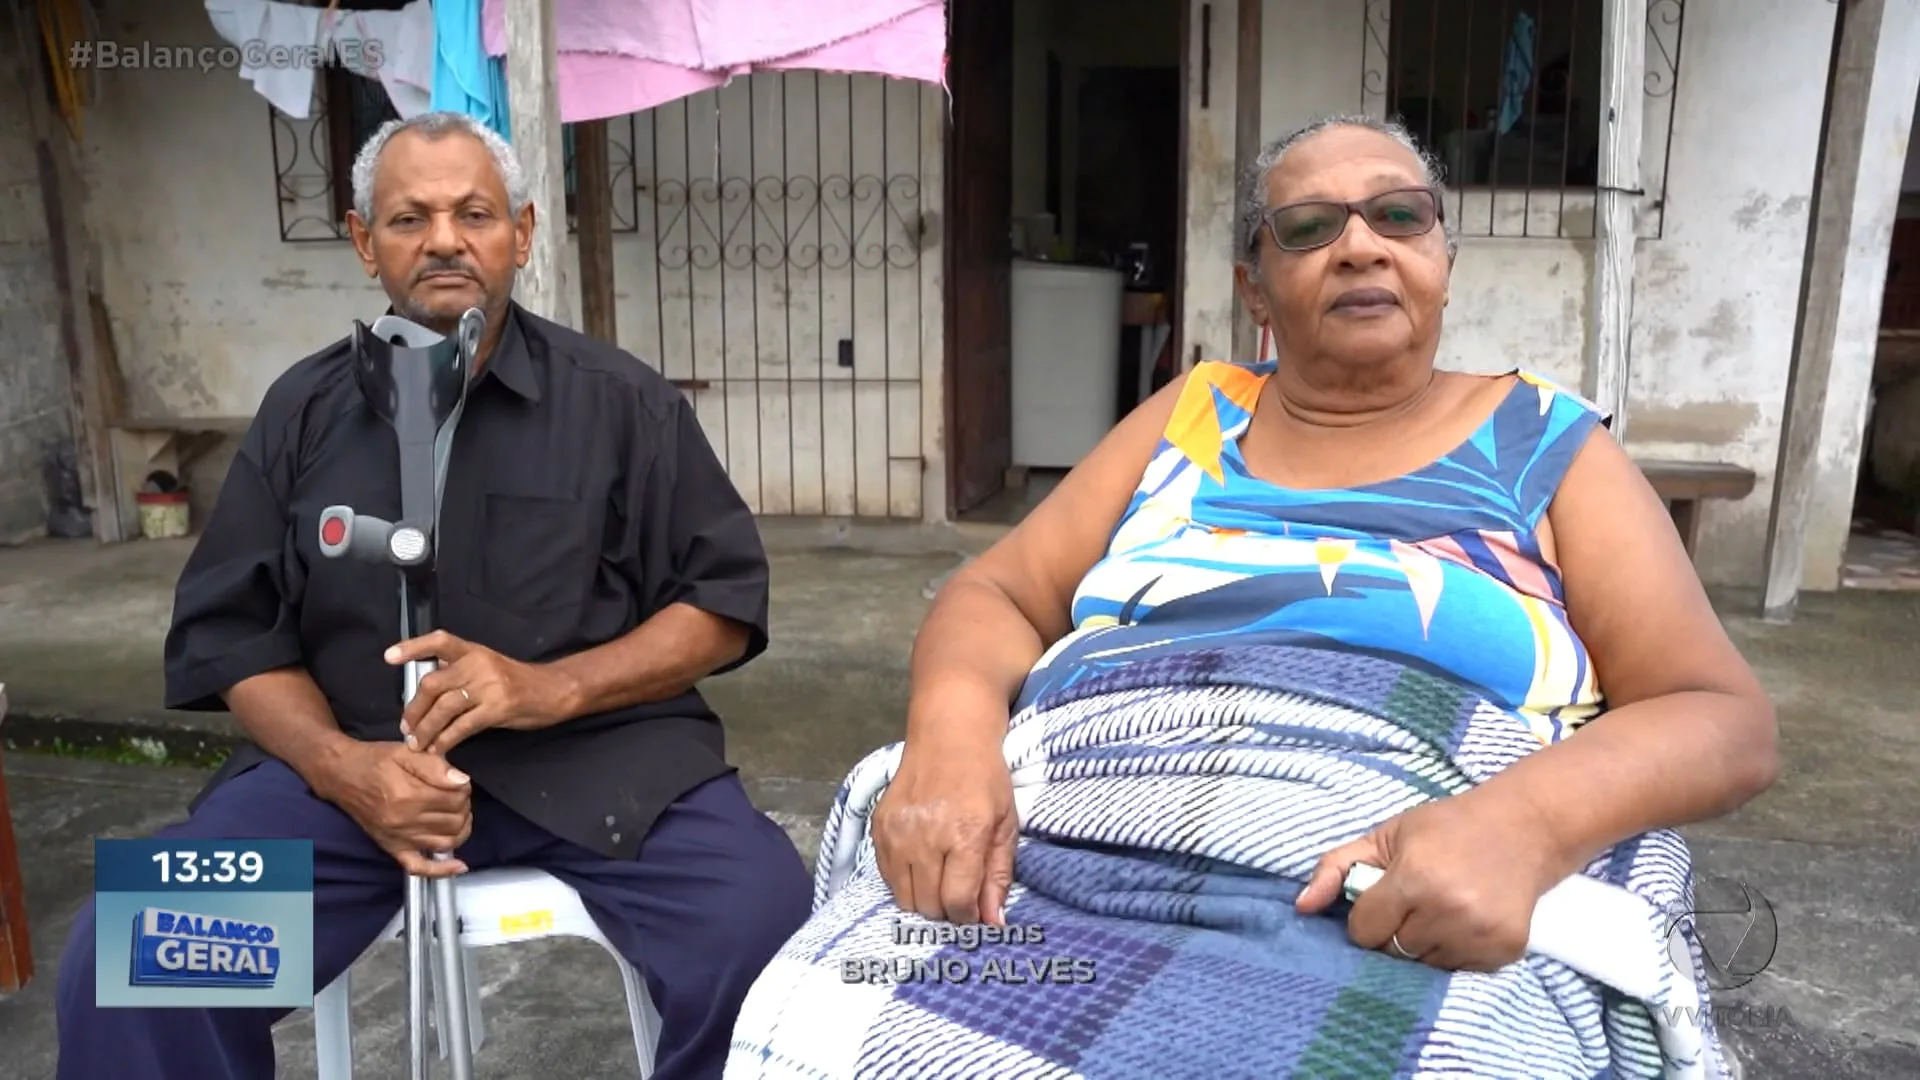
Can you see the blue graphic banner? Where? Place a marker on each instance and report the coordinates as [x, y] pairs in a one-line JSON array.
[[203, 924]]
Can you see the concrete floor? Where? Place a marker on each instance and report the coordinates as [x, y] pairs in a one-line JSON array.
[[1835, 847]]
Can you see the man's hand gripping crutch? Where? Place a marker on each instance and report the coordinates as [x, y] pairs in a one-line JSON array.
[[416, 380]]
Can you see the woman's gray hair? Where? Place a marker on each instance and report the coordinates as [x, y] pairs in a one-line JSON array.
[[434, 125], [1253, 195]]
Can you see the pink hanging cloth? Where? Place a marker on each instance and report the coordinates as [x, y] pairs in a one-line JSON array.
[[624, 56]]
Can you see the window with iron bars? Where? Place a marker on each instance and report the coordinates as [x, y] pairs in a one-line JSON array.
[[1507, 95]]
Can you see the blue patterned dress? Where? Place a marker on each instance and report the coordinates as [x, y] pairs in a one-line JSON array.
[[1440, 568]]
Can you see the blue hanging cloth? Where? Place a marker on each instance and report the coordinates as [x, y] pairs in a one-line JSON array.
[[1515, 81], [465, 78]]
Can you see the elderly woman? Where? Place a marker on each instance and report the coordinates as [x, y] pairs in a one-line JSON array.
[[1289, 619]]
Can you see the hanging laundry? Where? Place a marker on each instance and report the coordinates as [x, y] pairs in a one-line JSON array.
[[402, 59], [395, 47], [1516, 79], [465, 78], [289, 87], [623, 56]]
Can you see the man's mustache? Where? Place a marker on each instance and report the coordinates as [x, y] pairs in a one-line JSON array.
[[445, 266]]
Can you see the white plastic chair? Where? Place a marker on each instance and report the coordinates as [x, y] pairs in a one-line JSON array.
[[497, 907]]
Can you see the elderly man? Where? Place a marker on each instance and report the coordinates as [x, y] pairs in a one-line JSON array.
[[594, 564]]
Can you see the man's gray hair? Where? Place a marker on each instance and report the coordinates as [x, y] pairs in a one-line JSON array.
[[1253, 194], [435, 125]]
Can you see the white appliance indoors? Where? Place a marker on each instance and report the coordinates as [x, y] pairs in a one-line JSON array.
[[1066, 366]]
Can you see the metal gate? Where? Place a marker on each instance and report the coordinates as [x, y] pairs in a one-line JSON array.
[[778, 274]]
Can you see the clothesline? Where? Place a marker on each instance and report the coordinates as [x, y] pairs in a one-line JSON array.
[[394, 47], [613, 57]]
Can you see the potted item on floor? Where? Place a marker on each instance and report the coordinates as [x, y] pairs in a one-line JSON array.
[[163, 507]]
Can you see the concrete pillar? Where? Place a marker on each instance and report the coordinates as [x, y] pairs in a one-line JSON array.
[[533, 93], [1869, 121]]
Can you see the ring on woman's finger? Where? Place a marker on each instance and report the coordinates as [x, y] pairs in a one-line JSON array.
[[1399, 949]]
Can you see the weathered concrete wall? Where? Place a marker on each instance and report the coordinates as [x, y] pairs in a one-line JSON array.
[[1716, 293], [209, 304], [35, 404]]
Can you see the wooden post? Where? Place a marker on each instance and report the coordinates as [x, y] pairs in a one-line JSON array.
[[62, 197], [533, 95], [16, 946], [1623, 72], [1843, 255], [1246, 149], [593, 223]]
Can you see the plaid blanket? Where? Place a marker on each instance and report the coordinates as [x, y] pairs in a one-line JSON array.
[[1170, 813]]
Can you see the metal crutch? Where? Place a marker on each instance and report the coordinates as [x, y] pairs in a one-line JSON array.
[[416, 380]]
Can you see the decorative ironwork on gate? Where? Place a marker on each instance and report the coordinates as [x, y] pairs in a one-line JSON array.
[[1663, 33], [780, 278], [826, 223]]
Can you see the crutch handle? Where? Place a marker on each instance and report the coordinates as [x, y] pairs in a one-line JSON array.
[[346, 534]]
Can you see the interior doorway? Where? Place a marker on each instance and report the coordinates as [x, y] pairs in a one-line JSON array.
[[1883, 551], [1064, 209]]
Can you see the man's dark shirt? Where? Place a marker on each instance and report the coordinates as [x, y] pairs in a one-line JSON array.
[[581, 498]]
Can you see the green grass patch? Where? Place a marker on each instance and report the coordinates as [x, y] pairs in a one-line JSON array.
[[128, 750]]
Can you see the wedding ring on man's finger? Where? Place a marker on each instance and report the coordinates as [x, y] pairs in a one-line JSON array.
[[1399, 949]]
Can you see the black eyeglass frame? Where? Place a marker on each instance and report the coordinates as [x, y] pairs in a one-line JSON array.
[[1352, 208]]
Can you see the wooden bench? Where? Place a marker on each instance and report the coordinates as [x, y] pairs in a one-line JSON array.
[[16, 949], [1684, 485]]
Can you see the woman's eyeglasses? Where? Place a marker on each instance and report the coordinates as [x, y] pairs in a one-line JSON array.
[[1304, 226]]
